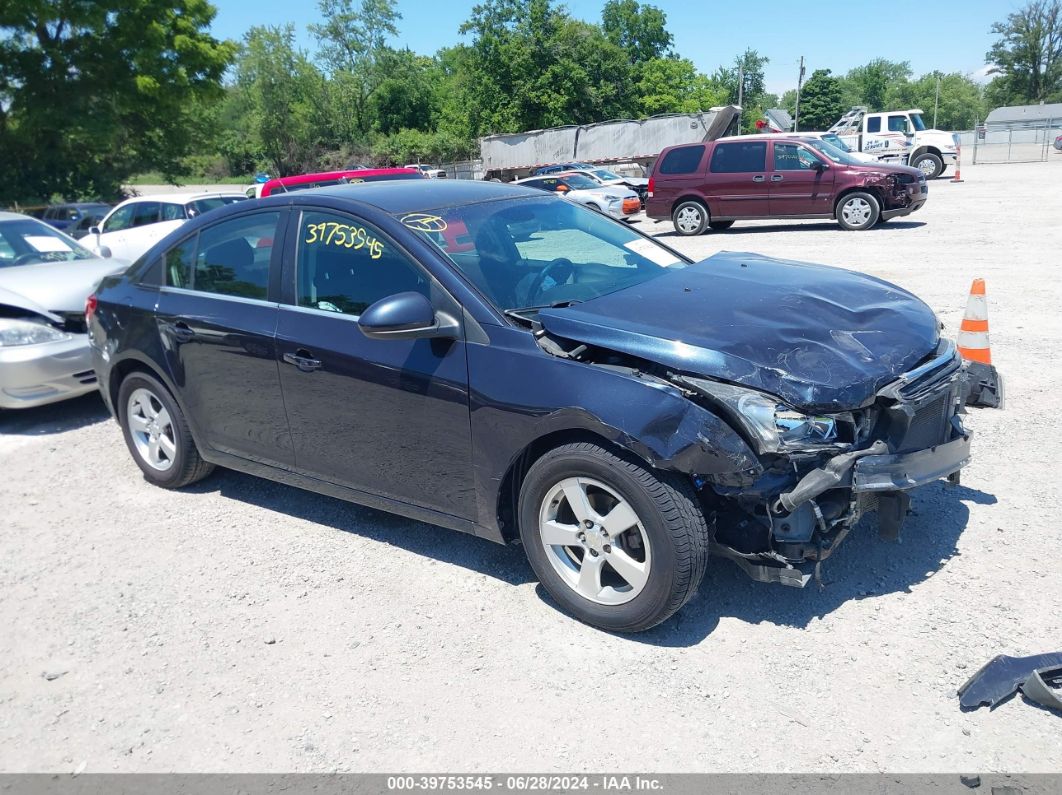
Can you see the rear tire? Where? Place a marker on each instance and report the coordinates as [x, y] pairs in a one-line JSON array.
[[618, 545], [690, 218], [719, 226], [858, 211], [157, 433], [929, 164]]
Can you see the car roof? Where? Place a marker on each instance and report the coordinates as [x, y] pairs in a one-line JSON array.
[[181, 198], [412, 195], [10, 216]]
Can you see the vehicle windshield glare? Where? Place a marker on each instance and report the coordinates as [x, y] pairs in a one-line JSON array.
[[916, 120], [28, 242], [200, 206], [835, 140], [827, 149], [581, 182], [526, 254], [604, 173]]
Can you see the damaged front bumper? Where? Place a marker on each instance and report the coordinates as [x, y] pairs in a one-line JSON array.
[[796, 514]]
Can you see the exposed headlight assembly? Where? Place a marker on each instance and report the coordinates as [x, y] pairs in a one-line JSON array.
[[14, 331], [772, 425]]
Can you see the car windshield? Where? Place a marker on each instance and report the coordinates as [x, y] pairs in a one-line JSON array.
[[530, 253], [916, 120], [832, 152], [604, 173], [27, 242], [200, 206], [835, 140], [580, 182]]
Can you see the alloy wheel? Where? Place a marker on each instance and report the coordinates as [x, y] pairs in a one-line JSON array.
[[595, 541], [151, 429]]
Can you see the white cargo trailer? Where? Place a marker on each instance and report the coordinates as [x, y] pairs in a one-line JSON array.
[[514, 155]]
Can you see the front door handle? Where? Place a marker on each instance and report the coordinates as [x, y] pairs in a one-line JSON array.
[[776, 177], [182, 332], [303, 359], [757, 178]]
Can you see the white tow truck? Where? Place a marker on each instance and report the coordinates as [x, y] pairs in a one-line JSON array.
[[898, 136]]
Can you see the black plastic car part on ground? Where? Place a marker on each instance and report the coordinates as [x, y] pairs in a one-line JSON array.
[[503, 362], [1002, 676]]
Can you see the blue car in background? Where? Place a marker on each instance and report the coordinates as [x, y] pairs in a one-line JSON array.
[[77, 218], [497, 360]]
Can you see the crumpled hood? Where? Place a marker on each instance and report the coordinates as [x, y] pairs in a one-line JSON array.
[[59, 286], [820, 338]]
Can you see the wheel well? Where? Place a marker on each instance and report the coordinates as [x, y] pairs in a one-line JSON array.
[[509, 492], [931, 149], [694, 198], [119, 373], [878, 194]]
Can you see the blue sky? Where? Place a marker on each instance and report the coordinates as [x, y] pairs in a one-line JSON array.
[[837, 35]]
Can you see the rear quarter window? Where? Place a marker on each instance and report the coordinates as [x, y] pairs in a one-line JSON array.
[[682, 160]]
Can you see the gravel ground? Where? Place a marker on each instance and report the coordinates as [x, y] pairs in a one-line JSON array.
[[246, 626]]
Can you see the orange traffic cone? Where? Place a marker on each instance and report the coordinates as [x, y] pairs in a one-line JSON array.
[[973, 333], [958, 165]]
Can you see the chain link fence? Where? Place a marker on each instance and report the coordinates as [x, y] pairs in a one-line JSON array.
[[1024, 143]]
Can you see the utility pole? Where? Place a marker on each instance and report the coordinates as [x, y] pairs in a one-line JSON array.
[[936, 103], [800, 84], [741, 95]]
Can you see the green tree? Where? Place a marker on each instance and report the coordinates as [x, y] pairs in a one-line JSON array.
[[821, 101], [641, 30], [1027, 56], [531, 65], [94, 92], [870, 84], [745, 81], [961, 99], [673, 85], [280, 96], [353, 46], [408, 97]]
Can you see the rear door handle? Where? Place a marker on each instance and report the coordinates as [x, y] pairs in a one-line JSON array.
[[303, 359], [182, 332], [776, 177], [757, 178]]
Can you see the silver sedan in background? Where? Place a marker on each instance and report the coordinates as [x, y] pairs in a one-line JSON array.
[[45, 279], [619, 202]]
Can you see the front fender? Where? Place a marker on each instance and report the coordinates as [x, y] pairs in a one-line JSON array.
[[520, 395]]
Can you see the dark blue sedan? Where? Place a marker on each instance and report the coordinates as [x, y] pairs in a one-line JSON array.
[[503, 362]]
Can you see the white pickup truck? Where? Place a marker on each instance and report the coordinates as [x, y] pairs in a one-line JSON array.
[[899, 136]]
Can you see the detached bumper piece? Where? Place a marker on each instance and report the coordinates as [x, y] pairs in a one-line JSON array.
[[984, 386], [1037, 677]]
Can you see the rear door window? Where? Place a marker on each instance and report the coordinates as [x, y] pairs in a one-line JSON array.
[[682, 160], [739, 157], [232, 257], [145, 213]]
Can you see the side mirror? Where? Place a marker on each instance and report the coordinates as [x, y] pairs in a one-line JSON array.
[[406, 316], [105, 252], [94, 230], [562, 189], [821, 165]]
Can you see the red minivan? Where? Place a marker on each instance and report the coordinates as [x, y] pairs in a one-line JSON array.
[[760, 177]]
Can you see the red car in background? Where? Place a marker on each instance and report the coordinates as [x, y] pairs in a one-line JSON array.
[[307, 181]]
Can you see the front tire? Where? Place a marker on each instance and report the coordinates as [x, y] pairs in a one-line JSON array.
[[690, 218], [929, 164], [858, 211], [157, 434], [618, 545]]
